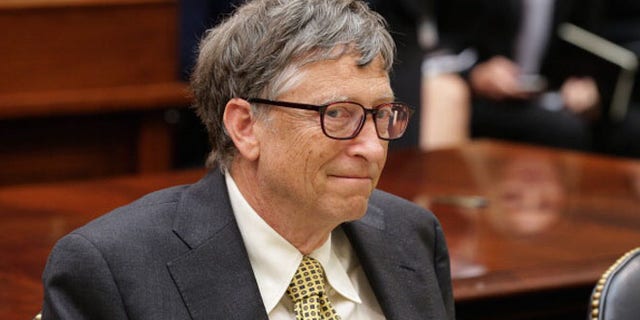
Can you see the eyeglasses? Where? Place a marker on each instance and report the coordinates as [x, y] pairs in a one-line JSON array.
[[344, 120]]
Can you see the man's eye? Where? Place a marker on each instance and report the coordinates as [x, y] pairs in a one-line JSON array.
[[383, 113], [338, 112]]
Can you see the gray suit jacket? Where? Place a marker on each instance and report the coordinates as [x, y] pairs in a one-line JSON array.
[[178, 254]]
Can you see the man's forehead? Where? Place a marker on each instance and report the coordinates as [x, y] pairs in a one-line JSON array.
[[329, 74]]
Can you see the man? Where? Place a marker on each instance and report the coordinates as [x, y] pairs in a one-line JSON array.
[[285, 89]]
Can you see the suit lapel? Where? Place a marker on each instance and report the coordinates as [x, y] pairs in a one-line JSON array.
[[393, 275], [215, 277]]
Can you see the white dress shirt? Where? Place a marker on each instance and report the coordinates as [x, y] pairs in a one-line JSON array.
[[274, 261]]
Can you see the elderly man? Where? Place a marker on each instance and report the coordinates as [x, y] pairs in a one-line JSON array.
[[296, 98]]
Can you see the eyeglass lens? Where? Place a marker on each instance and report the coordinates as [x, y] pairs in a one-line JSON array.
[[344, 120]]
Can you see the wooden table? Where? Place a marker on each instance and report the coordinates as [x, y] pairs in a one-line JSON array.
[[534, 230], [530, 230]]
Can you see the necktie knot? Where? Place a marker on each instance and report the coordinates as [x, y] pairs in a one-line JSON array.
[[307, 291], [308, 280]]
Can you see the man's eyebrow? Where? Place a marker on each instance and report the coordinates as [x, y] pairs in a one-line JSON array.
[[334, 98], [388, 97]]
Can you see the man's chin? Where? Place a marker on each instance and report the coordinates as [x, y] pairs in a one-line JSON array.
[[351, 208]]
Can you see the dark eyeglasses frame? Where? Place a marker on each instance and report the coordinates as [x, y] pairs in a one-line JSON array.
[[322, 108]]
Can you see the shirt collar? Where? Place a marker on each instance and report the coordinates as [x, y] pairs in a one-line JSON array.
[[335, 270], [274, 260]]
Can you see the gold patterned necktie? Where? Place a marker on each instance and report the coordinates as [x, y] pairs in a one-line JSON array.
[[307, 292]]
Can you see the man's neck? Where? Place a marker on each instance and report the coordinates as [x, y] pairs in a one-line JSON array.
[[286, 219]]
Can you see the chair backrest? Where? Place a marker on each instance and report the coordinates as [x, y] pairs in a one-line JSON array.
[[616, 296]]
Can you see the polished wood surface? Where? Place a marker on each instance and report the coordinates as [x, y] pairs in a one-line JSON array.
[[526, 226], [34, 217], [536, 224]]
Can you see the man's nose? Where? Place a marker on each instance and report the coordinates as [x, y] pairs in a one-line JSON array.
[[367, 143]]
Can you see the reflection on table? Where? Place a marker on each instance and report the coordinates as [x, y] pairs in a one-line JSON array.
[[523, 221]]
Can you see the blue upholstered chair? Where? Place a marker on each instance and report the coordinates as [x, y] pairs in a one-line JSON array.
[[617, 294]]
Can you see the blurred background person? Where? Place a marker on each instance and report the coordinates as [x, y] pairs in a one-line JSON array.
[[525, 83]]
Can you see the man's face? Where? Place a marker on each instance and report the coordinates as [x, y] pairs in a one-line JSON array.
[[301, 169]]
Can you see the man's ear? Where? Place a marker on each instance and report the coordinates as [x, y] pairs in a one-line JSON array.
[[239, 122]]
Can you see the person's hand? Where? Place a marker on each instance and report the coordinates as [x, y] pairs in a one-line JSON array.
[[580, 95], [498, 79]]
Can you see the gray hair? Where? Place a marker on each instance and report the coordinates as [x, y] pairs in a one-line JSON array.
[[258, 50]]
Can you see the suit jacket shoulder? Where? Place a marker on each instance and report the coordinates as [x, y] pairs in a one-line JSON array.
[[173, 254], [404, 254]]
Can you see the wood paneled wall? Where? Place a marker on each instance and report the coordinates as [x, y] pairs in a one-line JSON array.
[[84, 86]]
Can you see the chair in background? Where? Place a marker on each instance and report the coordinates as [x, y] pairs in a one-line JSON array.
[[617, 294]]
